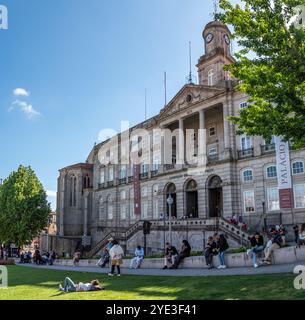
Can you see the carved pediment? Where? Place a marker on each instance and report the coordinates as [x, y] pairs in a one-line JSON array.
[[187, 97]]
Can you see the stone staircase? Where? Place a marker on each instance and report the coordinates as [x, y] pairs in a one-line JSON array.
[[215, 224]]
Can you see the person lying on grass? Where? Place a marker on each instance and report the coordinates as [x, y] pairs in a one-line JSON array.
[[70, 286]]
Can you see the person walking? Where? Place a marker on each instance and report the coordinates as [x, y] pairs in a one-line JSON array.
[[184, 253], [257, 244], [222, 246], [296, 231], [135, 263], [116, 256]]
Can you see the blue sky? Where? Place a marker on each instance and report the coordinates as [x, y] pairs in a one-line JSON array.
[[84, 66]]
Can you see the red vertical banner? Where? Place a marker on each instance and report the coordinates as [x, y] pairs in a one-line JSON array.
[[284, 173], [137, 189]]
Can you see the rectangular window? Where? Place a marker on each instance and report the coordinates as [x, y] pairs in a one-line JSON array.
[[111, 174], [246, 142], [212, 152], [273, 199], [144, 210], [102, 176], [249, 201], [132, 215], [212, 131], [299, 196], [243, 105], [271, 172], [123, 172], [123, 212]]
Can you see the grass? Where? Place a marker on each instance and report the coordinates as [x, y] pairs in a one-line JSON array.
[[42, 284]]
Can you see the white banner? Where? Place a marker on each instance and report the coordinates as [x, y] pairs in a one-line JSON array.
[[283, 163]]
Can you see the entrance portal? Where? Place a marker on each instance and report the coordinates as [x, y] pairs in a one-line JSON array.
[[215, 197], [191, 199]]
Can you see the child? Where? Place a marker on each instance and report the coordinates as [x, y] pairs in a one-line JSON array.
[[70, 286], [116, 255]]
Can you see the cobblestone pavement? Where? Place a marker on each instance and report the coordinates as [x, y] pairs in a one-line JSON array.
[[273, 269]]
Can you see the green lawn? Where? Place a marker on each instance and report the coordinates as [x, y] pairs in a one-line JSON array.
[[42, 284]]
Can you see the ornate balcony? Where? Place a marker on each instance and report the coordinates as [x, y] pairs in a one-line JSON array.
[[122, 181], [154, 173], [246, 153], [268, 148], [144, 175]]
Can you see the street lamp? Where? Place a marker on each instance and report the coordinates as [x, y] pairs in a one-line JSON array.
[[170, 202]]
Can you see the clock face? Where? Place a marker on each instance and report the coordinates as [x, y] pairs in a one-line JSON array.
[[226, 38], [209, 37]]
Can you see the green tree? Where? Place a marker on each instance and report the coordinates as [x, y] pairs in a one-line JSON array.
[[271, 67], [24, 209]]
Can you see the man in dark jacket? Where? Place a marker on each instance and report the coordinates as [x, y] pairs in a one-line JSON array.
[[257, 244], [222, 246], [170, 255], [209, 251], [276, 244], [184, 253]]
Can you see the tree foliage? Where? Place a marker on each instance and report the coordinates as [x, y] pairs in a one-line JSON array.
[[24, 209], [271, 67]]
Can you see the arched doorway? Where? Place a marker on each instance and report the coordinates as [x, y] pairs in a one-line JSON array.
[[171, 190], [191, 199], [215, 197]]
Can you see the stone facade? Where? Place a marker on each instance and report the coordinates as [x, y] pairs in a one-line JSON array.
[[95, 199]]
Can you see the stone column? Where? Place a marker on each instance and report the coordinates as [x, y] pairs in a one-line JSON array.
[[181, 152], [86, 213], [202, 147], [226, 127]]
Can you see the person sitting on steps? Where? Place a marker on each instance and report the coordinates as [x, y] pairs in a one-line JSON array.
[[301, 237], [184, 253], [257, 244], [209, 252], [138, 258], [170, 255], [276, 244]]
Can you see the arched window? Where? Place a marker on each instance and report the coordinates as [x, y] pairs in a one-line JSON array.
[[73, 191], [298, 167], [248, 175], [211, 77], [271, 172], [191, 199]]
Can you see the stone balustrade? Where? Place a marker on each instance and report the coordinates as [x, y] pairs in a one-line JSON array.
[[234, 260]]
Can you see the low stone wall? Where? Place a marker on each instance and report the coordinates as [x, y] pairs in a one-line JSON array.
[[281, 256]]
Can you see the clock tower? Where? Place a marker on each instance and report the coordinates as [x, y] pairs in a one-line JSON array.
[[217, 42]]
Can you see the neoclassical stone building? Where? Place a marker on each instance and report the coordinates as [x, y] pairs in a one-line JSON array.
[[240, 176]]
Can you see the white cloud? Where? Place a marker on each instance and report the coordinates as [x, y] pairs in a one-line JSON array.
[[51, 193], [26, 108], [20, 92]]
